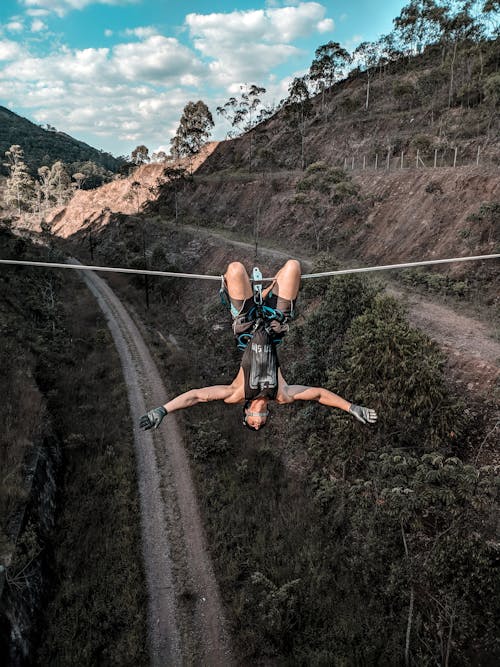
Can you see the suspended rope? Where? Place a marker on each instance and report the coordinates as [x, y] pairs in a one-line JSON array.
[[407, 265], [111, 269], [172, 274]]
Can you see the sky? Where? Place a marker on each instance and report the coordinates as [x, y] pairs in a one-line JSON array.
[[118, 73]]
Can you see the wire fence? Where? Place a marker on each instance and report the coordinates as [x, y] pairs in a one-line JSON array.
[[421, 159]]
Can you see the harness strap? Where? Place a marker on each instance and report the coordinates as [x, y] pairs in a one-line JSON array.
[[257, 285]]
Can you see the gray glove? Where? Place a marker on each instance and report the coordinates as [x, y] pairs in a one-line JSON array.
[[364, 415], [152, 419], [278, 327]]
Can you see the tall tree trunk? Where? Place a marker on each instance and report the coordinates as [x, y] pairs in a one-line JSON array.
[[450, 93]]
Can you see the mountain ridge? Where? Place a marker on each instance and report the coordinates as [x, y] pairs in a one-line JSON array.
[[44, 147]]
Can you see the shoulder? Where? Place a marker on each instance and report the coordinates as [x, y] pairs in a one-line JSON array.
[[283, 396], [237, 389]]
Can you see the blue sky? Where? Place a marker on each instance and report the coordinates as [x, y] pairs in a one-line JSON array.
[[116, 73]]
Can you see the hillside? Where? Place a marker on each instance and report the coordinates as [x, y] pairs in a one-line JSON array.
[[43, 148], [409, 109], [334, 542]]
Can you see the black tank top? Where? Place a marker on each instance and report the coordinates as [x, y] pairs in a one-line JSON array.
[[260, 367]]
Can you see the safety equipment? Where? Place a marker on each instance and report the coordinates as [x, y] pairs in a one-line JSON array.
[[364, 415], [153, 418]]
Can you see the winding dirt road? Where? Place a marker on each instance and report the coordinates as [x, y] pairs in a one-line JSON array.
[[185, 615]]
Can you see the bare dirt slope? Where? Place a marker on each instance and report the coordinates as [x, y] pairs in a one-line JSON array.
[[186, 619], [94, 207], [426, 213]]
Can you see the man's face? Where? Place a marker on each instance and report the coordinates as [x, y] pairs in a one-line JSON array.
[[257, 414]]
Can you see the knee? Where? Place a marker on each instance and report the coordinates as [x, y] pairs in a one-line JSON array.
[[293, 266], [235, 270]]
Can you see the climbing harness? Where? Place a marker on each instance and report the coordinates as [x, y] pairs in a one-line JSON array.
[[260, 313], [257, 286]]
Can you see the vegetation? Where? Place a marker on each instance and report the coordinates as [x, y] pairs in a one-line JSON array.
[[335, 543], [94, 591], [320, 187], [44, 147], [19, 185], [382, 551], [194, 129], [22, 193]]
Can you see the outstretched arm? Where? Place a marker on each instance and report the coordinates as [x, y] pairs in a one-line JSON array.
[[216, 393], [298, 392]]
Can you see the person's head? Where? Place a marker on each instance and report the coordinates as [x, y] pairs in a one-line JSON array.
[[255, 414]]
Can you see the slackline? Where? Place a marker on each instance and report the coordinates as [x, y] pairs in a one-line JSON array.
[[171, 274]]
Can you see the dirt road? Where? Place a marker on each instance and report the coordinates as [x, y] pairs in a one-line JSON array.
[[185, 615]]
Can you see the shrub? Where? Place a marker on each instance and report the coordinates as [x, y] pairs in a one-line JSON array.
[[398, 370], [317, 167], [434, 188], [422, 142], [343, 191]]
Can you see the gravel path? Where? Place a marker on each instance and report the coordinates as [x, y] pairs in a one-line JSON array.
[[185, 615]]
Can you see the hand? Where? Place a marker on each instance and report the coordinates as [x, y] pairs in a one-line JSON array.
[[279, 328], [152, 419], [364, 415]]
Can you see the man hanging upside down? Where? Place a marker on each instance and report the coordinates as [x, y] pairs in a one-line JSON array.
[[258, 329]]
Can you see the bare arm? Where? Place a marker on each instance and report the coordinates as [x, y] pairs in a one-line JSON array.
[[219, 392], [298, 392], [154, 417]]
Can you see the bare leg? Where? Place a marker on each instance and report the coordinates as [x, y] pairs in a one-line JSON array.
[[238, 284], [287, 281]]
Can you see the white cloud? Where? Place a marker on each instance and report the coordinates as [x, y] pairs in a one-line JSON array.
[[157, 59], [247, 44], [327, 25], [96, 91], [15, 26], [142, 33], [135, 91], [37, 25], [9, 50], [62, 7], [37, 12]]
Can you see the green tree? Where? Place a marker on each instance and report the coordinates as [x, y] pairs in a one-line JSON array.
[[140, 155], [244, 112], [241, 111], [399, 370], [420, 23], [329, 64], [60, 183], [298, 107], [194, 129], [19, 185], [368, 54]]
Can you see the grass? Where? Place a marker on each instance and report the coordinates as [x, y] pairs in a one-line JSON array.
[[63, 388], [97, 610]]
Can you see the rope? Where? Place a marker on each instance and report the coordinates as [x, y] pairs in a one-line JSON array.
[[400, 266], [171, 274], [82, 267]]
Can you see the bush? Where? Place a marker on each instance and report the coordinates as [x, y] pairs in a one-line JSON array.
[[344, 191], [398, 370], [422, 142]]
